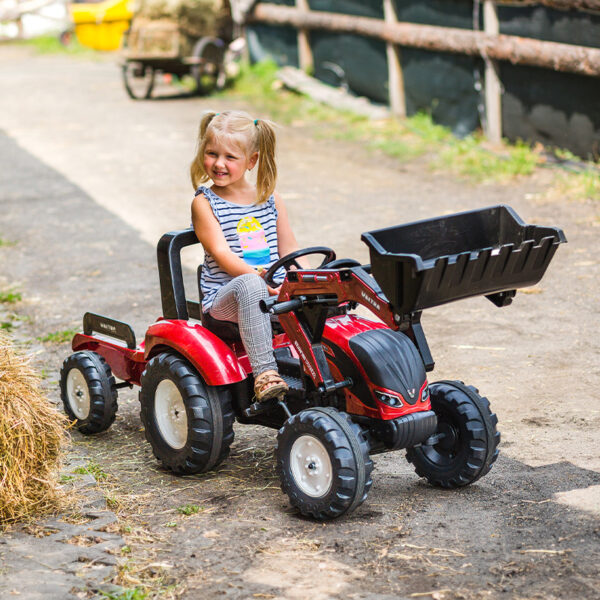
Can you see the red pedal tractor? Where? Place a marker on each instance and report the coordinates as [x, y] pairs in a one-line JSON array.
[[357, 387]]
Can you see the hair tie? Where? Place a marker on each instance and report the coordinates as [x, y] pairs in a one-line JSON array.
[[256, 122]]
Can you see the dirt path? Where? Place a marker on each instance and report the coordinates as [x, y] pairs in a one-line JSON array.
[[90, 180]]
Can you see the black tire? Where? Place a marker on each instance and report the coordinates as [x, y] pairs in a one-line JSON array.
[[199, 431], [208, 75], [88, 392], [470, 443], [138, 80], [342, 451]]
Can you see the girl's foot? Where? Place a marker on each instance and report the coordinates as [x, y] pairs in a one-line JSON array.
[[269, 384]]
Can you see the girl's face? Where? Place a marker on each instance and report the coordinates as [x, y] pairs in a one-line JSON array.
[[225, 163]]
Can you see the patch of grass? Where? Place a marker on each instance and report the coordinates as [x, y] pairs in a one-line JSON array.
[[189, 509], [51, 44], [469, 158], [93, 469], [135, 593], [401, 139], [10, 296], [66, 478], [6, 243], [59, 337]]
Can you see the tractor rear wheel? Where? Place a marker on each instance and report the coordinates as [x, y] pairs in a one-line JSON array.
[[189, 424], [466, 443], [88, 391], [323, 462]]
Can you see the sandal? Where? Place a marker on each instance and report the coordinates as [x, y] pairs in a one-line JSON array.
[[269, 384]]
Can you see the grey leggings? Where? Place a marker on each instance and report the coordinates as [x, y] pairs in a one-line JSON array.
[[238, 301]]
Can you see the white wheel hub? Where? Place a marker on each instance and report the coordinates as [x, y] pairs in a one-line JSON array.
[[78, 394], [311, 466], [171, 417]]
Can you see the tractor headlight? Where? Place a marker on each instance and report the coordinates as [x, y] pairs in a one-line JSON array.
[[389, 399], [425, 394]]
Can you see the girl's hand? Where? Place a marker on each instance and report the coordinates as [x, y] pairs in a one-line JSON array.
[[274, 291]]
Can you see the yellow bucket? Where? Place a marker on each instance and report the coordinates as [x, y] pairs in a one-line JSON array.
[[101, 25]]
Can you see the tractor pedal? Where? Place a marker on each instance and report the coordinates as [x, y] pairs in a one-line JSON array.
[[258, 408]]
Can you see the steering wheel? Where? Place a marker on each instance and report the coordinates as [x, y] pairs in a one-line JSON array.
[[290, 259]]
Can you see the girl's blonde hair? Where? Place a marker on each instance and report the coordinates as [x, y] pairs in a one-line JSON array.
[[249, 135]]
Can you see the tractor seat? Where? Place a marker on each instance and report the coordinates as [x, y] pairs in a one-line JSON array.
[[228, 331]]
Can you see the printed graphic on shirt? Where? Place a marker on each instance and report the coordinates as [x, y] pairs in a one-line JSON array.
[[253, 241]]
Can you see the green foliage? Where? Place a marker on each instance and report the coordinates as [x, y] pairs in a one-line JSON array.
[[10, 296], [93, 469], [51, 44], [189, 509], [6, 243], [468, 157], [59, 337], [135, 593]]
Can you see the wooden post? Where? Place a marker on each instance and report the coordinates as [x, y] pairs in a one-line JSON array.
[[305, 57], [493, 87], [395, 75]]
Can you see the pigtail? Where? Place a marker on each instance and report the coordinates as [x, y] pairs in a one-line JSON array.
[[197, 172], [267, 168]]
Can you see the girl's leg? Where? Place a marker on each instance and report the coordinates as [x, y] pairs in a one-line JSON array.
[[238, 301]]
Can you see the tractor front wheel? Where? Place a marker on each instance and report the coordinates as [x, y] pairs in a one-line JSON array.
[[188, 423], [466, 442], [323, 462]]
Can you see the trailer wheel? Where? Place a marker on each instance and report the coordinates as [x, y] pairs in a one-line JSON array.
[[209, 72], [468, 441], [323, 462], [188, 423], [88, 391], [138, 79]]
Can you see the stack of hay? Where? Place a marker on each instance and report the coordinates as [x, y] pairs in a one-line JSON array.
[[195, 18], [32, 438]]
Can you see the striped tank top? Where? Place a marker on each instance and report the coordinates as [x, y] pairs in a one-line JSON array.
[[250, 231]]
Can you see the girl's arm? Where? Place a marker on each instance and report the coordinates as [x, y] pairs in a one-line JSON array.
[[286, 240], [211, 237]]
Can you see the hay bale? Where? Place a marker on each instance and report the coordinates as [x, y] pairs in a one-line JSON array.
[[32, 440], [195, 17]]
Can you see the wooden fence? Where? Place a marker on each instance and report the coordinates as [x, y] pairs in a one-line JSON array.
[[488, 44]]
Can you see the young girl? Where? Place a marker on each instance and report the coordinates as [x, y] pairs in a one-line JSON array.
[[244, 229]]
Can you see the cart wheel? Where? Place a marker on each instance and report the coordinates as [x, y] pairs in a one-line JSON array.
[[138, 79], [189, 424], [468, 442], [88, 392], [209, 73], [66, 37], [323, 462]]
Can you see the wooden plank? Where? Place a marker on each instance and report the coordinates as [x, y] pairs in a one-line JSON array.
[[517, 50], [493, 87], [298, 80], [395, 74], [305, 57]]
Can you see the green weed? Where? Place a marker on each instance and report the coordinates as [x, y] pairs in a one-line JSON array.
[[93, 469], [135, 593], [66, 478], [6, 243], [51, 44], [189, 509], [10, 296], [59, 337]]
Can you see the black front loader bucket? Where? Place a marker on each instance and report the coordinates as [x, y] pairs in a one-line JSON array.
[[487, 252]]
